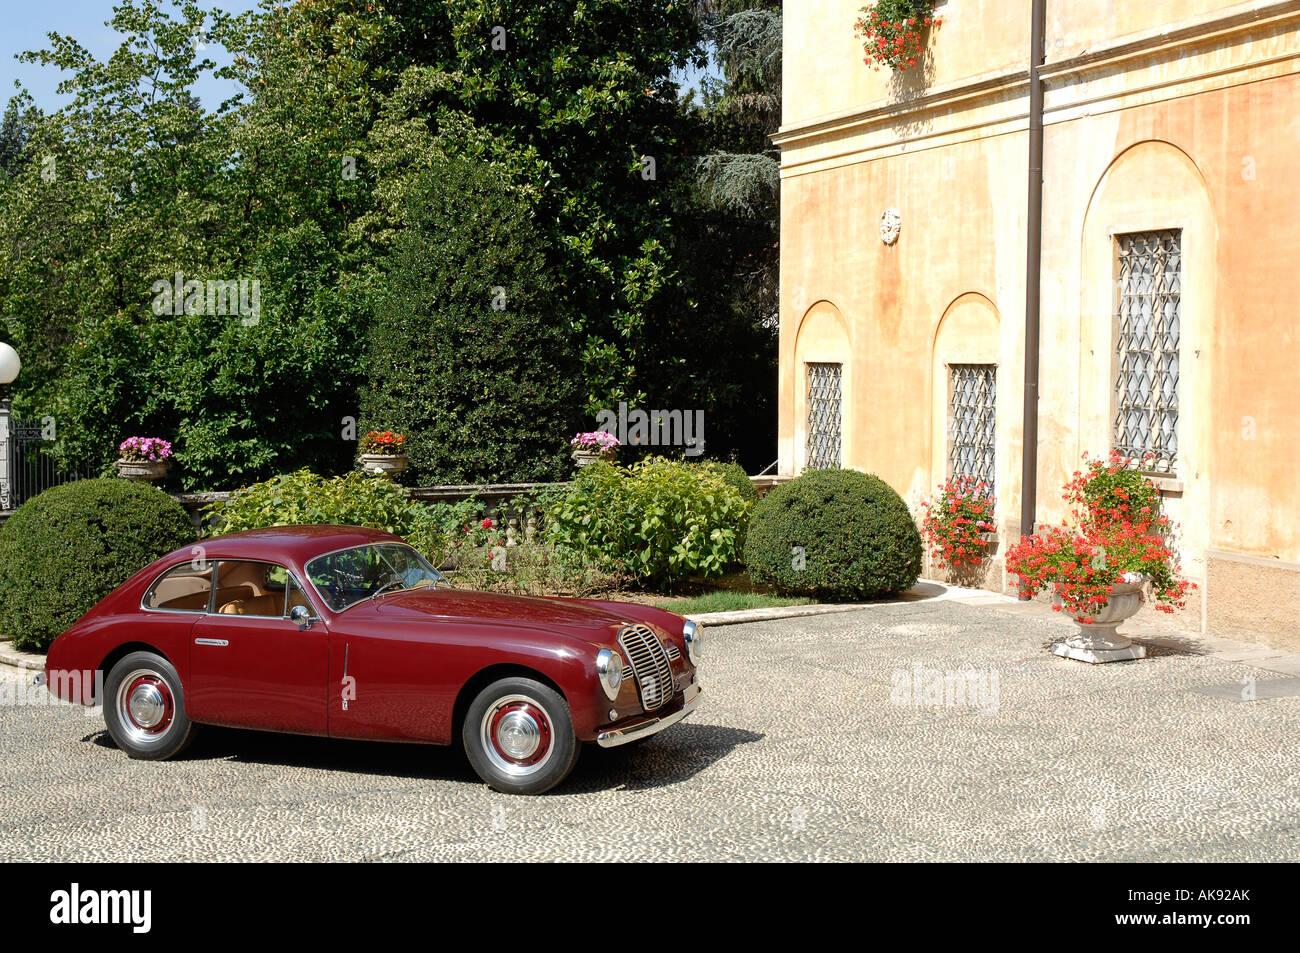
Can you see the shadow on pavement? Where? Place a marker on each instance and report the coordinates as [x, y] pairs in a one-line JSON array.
[[676, 755]]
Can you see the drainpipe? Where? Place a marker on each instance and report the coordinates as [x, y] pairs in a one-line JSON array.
[[1033, 269]]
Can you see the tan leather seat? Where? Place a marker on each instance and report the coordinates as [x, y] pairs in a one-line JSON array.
[[271, 604], [198, 601]]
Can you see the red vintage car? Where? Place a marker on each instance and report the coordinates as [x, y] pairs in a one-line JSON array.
[[350, 633]]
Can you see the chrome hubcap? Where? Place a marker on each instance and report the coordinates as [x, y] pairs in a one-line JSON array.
[[516, 735], [145, 707]]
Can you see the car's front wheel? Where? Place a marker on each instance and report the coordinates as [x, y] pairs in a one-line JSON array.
[[518, 735], [144, 707]]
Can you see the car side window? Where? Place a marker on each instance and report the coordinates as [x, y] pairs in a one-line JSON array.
[[245, 587], [182, 589]]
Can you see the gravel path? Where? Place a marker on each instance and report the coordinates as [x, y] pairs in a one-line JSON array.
[[832, 737]]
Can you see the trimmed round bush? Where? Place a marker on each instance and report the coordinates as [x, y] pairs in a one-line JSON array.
[[67, 548], [834, 534]]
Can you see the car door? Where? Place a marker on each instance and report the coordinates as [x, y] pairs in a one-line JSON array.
[[251, 666]]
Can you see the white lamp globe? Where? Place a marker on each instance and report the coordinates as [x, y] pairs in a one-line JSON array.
[[9, 364]]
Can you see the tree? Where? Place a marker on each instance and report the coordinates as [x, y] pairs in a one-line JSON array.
[[134, 183], [308, 180], [727, 244], [744, 105], [13, 139], [465, 357]]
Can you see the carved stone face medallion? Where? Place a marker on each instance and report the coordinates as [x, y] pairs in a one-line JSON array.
[[891, 223]]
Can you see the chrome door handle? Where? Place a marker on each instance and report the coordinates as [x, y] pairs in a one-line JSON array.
[[217, 642]]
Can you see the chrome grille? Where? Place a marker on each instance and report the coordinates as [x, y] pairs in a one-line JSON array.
[[654, 676], [674, 653]]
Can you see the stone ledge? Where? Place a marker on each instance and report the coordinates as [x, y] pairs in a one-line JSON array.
[[20, 659]]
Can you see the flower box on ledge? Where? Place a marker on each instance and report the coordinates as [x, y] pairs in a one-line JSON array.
[[144, 471]]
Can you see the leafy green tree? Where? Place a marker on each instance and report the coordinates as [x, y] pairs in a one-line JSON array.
[[465, 355], [741, 171], [133, 183], [727, 241], [13, 139], [309, 179]]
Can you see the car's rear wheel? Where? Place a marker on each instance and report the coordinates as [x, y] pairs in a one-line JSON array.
[[144, 707], [518, 735]]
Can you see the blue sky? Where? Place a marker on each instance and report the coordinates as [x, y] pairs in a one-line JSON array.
[[26, 22]]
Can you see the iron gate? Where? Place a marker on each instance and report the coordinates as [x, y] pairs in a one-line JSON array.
[[30, 471]]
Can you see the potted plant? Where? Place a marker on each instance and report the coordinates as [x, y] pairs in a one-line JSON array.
[[958, 524], [383, 452], [1100, 566], [893, 32], [593, 446], [144, 458]]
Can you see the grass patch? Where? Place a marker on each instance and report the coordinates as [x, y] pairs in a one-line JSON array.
[[726, 600]]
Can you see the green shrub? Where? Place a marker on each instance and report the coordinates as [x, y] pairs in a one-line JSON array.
[[532, 569], [658, 521], [441, 530], [72, 545], [466, 357], [303, 498], [834, 534], [734, 475]]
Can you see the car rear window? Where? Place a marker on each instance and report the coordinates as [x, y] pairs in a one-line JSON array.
[[184, 588]]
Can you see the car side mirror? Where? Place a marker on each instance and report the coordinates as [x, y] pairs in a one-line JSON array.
[[301, 615]]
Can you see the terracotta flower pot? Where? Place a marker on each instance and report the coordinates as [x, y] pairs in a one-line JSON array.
[[1098, 640], [376, 464], [143, 471]]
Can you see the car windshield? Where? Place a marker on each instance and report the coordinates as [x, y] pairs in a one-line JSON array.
[[347, 577]]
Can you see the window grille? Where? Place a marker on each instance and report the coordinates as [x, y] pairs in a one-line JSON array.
[[1146, 348], [823, 449], [972, 421]]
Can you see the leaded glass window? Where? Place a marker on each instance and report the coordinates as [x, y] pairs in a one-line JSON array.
[[972, 421], [1146, 348], [823, 449]]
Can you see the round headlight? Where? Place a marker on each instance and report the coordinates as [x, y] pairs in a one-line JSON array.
[[691, 635], [609, 667]]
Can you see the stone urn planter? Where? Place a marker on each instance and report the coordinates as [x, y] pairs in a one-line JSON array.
[[383, 464], [587, 457], [143, 471], [1097, 641]]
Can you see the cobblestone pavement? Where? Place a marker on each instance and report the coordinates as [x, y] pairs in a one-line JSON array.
[[812, 745]]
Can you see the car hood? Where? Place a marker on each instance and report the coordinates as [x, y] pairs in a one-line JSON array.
[[575, 615]]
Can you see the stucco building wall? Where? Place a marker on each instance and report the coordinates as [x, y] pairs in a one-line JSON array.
[[1160, 115]]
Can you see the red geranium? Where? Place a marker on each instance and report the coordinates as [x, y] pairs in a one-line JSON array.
[[956, 519], [1119, 535], [383, 441], [892, 32]]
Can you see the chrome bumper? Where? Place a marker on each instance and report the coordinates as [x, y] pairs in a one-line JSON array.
[[643, 729]]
